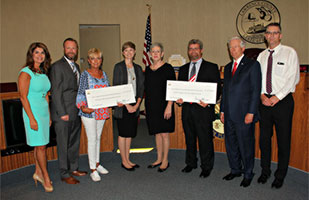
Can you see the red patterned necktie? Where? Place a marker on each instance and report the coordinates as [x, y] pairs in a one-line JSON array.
[[234, 68], [193, 73], [268, 73]]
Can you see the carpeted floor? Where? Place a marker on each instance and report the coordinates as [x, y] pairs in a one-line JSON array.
[[151, 185], [148, 184]]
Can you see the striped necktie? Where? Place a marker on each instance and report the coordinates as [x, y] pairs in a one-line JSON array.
[[193, 73], [268, 73], [75, 71]]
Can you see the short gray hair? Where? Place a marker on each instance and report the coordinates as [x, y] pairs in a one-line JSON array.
[[196, 41], [242, 42], [157, 44]]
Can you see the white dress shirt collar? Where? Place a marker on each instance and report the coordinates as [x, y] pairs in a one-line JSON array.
[[69, 61], [197, 67], [276, 49], [238, 61]]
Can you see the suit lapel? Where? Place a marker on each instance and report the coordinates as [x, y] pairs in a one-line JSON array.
[[228, 71], [200, 71], [68, 68], [67, 65], [125, 72], [186, 72]]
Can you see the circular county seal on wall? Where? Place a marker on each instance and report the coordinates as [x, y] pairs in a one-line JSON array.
[[253, 18]]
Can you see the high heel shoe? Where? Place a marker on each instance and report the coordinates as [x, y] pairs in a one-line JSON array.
[[36, 178], [154, 166], [48, 188], [162, 170], [128, 169], [136, 166]]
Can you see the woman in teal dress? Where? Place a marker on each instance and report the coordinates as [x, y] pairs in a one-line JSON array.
[[33, 85]]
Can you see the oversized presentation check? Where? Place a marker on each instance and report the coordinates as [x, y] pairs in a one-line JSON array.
[[191, 91], [110, 96]]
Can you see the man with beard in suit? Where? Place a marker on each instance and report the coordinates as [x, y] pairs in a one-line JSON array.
[[197, 118], [64, 77]]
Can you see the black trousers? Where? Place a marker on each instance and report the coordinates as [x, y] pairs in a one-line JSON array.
[[240, 147], [68, 140], [197, 127], [279, 116]]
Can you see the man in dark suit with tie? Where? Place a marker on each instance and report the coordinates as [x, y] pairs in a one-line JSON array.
[[64, 77], [197, 118], [239, 108]]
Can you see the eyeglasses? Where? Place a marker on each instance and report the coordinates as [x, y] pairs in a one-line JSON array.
[[193, 49], [272, 33]]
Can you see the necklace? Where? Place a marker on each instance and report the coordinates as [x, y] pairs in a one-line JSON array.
[[131, 73], [37, 71]]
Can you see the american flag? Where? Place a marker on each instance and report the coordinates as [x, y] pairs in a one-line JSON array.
[[147, 43]]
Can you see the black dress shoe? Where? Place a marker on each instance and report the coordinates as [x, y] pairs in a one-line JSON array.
[[154, 166], [245, 182], [162, 170], [128, 169], [263, 178], [136, 166], [231, 176], [277, 183], [187, 169], [205, 173]]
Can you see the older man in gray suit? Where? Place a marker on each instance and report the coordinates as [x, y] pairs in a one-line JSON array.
[[64, 77]]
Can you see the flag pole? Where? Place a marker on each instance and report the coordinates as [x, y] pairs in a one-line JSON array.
[[148, 39], [149, 8], [149, 11]]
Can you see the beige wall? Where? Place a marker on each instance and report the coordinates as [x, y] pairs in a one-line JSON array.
[[174, 23], [106, 38]]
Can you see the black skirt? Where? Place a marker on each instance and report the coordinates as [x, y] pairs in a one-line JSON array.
[[127, 126]]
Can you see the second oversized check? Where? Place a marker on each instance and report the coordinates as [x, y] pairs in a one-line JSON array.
[[191, 91], [109, 96]]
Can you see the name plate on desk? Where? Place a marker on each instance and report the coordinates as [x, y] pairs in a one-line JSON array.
[[110, 96], [191, 91]]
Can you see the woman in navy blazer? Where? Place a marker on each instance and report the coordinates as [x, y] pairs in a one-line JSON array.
[[126, 115]]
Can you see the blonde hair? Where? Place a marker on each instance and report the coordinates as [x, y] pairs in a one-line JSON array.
[[95, 51]]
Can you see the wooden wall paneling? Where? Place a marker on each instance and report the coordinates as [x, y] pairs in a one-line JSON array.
[[0, 163], [2, 137], [181, 137], [299, 138], [107, 138], [49, 153], [299, 141], [173, 136], [5, 164], [23, 160], [107, 143], [55, 153], [15, 161], [219, 145]]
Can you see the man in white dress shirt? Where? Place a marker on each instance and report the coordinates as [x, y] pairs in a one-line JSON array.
[[280, 75]]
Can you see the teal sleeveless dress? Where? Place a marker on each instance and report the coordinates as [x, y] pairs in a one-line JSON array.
[[38, 88]]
